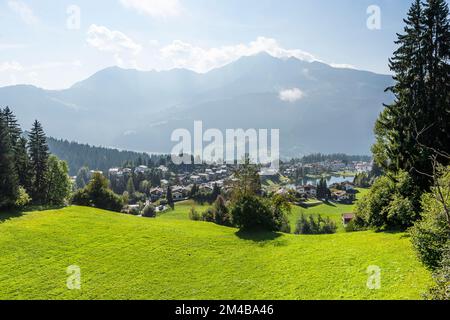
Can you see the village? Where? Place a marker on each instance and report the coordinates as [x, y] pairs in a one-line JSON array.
[[143, 185]]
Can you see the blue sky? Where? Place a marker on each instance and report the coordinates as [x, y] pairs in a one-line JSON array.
[[41, 42]]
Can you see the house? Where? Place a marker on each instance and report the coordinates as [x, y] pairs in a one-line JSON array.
[[141, 170], [347, 218], [195, 179], [177, 195], [311, 190], [164, 183], [343, 197], [163, 169], [156, 194]]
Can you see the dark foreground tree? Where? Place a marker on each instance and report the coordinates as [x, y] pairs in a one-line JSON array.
[[39, 154], [8, 175], [420, 112]]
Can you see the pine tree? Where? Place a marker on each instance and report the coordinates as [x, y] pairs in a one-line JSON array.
[[8, 175], [39, 155]]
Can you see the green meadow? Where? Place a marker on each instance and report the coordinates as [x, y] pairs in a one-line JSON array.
[[170, 257]]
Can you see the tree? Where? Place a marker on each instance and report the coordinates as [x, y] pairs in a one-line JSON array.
[[430, 235], [390, 203], [97, 194], [169, 198], [82, 177], [281, 208], [312, 225], [215, 193], [18, 144], [246, 180], [9, 187], [58, 181], [39, 155], [222, 215], [322, 190], [130, 187], [250, 212], [23, 163], [421, 90], [14, 129], [149, 211]]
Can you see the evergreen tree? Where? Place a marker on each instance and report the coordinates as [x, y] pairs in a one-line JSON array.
[[23, 163], [169, 197], [14, 128], [18, 144], [418, 121], [82, 177], [130, 187], [8, 175], [39, 154], [215, 193]]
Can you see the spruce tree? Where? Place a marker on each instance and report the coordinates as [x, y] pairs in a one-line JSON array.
[[417, 122], [8, 175], [436, 46], [169, 197], [39, 155], [22, 161], [130, 187], [13, 126]]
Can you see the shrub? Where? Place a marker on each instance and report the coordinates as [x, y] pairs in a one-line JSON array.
[[392, 203], [251, 212], [353, 226], [23, 198], [311, 225], [222, 215], [97, 194], [441, 289], [149, 211], [430, 234], [281, 208], [194, 215], [208, 216]]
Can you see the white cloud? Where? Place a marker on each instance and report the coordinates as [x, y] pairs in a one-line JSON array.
[[23, 10], [291, 95], [123, 48], [11, 66], [185, 55], [107, 40], [154, 8]]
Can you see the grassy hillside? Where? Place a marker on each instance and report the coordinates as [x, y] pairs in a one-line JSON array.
[[126, 257]]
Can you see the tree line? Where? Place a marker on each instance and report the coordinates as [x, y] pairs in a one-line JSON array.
[[79, 155]]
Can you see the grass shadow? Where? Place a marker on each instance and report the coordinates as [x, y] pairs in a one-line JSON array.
[[6, 216], [15, 213], [329, 203], [257, 235]]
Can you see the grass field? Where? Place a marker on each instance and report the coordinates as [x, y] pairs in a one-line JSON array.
[[127, 257]]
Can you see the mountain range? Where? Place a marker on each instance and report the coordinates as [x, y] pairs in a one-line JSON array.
[[318, 108]]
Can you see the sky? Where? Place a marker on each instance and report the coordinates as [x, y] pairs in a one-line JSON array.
[[54, 44]]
